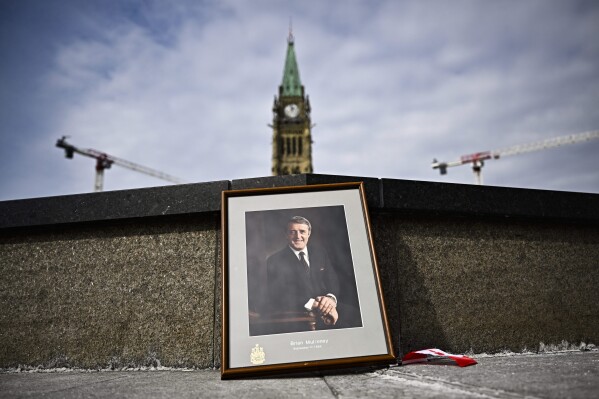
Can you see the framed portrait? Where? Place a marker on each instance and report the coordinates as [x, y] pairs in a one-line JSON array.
[[301, 288]]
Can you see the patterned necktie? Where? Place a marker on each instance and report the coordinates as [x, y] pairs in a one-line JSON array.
[[303, 262]]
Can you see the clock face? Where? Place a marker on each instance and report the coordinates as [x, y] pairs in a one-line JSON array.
[[292, 110]]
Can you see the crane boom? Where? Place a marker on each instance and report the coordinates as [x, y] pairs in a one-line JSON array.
[[545, 144], [105, 161], [477, 159]]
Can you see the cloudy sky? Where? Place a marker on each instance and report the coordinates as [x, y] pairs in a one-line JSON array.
[[186, 87]]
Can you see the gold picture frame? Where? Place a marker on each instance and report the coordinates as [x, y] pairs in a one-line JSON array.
[[266, 277]]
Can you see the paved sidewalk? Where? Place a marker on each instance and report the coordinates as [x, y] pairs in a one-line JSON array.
[[556, 375]]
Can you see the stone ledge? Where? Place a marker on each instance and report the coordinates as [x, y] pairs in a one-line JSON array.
[[125, 278], [504, 202], [113, 205], [406, 196]]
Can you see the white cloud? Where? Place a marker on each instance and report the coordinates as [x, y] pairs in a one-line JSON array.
[[188, 88]]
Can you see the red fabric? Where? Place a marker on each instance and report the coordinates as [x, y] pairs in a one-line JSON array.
[[437, 356]]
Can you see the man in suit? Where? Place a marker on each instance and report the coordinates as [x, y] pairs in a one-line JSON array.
[[301, 276]]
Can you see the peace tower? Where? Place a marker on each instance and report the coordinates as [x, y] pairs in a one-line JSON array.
[[291, 138]]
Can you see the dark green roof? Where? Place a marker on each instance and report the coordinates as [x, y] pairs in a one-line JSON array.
[[292, 85]]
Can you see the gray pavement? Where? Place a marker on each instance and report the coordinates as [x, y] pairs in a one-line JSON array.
[[555, 375]]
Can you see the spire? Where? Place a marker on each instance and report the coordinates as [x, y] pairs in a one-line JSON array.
[[291, 85], [290, 38]]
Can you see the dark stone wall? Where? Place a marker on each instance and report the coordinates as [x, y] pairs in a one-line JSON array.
[[132, 278], [488, 286], [118, 294]]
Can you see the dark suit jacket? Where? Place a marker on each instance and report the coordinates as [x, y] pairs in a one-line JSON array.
[[290, 287]]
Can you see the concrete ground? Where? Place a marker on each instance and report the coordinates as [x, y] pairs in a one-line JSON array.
[[554, 375]]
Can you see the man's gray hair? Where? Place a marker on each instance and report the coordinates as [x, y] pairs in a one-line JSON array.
[[300, 220]]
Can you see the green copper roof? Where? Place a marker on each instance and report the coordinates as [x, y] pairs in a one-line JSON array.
[[292, 85]]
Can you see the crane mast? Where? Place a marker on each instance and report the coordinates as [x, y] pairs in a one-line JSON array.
[[105, 161], [478, 159]]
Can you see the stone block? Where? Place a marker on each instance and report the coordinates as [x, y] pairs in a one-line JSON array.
[[488, 286], [111, 295]]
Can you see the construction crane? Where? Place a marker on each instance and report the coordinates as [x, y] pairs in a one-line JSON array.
[[105, 161], [477, 159]]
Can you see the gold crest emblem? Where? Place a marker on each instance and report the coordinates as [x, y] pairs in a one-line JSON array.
[[257, 356]]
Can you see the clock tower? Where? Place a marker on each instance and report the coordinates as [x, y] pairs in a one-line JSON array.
[[291, 138]]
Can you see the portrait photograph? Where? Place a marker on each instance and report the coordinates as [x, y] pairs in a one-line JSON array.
[[295, 256], [300, 282]]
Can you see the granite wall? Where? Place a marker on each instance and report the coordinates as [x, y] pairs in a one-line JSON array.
[[488, 286], [131, 278], [131, 293]]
